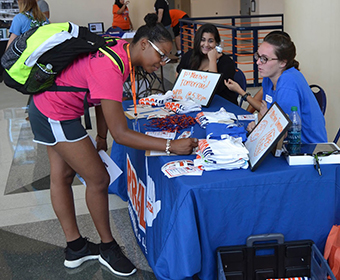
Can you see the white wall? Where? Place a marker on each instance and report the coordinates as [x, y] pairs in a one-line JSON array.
[[82, 12], [314, 28], [269, 7], [204, 8]]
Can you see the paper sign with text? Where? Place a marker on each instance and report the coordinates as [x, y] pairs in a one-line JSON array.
[[198, 86], [266, 134]]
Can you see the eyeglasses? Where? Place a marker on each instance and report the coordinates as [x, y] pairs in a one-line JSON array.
[[164, 58], [263, 59]]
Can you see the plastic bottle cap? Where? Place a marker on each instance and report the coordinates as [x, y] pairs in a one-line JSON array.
[[294, 108], [49, 67]]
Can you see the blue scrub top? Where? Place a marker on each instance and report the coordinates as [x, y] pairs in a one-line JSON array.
[[292, 89]]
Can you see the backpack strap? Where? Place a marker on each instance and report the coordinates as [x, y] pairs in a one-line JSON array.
[[34, 22], [115, 59], [87, 118]]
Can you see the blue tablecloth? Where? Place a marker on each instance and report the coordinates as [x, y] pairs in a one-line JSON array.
[[180, 222]]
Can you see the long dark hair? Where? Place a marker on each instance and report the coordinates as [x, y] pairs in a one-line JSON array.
[[197, 55], [284, 48], [153, 31], [117, 2]]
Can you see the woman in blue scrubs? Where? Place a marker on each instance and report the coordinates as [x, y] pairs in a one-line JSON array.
[[285, 84]]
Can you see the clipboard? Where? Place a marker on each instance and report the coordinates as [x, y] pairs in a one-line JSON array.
[[199, 86], [266, 134]]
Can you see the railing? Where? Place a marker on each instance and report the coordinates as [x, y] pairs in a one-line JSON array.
[[240, 38]]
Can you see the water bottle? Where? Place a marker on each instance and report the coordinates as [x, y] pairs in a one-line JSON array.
[[48, 68], [40, 78], [294, 132]]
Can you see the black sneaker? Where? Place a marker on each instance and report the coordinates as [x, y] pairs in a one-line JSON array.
[[178, 55], [74, 259], [116, 261]]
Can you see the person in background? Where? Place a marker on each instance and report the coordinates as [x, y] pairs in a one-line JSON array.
[[285, 84], [204, 57], [55, 119], [162, 11], [43, 6], [121, 16], [176, 15], [29, 16]]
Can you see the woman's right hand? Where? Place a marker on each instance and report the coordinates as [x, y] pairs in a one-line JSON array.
[[251, 126], [183, 146], [213, 55], [233, 86]]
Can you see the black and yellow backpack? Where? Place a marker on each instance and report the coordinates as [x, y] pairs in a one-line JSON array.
[[36, 57]]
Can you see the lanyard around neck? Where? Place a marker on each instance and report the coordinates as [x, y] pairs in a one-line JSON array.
[[132, 79]]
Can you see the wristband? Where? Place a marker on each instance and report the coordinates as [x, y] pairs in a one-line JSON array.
[[104, 138], [168, 146], [244, 97]]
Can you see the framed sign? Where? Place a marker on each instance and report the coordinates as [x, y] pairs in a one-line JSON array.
[[199, 86], [266, 134]]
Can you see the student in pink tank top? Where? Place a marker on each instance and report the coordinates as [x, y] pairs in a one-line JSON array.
[[55, 122]]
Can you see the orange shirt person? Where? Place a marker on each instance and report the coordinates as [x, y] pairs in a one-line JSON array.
[[121, 16], [175, 16]]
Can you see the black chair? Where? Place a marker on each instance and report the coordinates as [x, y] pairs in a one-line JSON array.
[[115, 31], [240, 78], [320, 96]]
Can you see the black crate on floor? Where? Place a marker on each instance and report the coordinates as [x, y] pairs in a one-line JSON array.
[[268, 256]]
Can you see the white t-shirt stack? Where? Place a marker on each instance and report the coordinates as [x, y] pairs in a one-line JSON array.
[[221, 116], [228, 153]]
